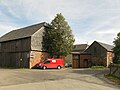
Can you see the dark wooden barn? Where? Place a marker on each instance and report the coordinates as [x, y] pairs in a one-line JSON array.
[[22, 48], [97, 54], [101, 53]]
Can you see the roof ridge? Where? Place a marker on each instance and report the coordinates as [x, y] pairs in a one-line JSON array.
[[30, 25], [106, 46], [104, 43]]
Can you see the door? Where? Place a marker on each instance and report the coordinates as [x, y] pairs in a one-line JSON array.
[[47, 64], [85, 63]]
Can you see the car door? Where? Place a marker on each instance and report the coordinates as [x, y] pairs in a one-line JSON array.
[[47, 63]]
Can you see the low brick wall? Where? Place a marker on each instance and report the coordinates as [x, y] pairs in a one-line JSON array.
[[115, 69]]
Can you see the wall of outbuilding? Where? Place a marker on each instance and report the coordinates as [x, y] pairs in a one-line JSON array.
[[37, 40], [98, 54], [81, 60], [15, 53], [85, 60]]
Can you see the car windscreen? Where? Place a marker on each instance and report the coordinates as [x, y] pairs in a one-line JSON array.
[[46, 61]]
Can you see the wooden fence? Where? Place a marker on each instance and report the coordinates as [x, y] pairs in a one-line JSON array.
[[115, 69]]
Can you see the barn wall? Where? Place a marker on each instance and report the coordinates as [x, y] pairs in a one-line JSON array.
[[98, 54], [85, 60], [15, 53], [14, 60], [19, 45], [0, 48], [36, 40], [76, 61]]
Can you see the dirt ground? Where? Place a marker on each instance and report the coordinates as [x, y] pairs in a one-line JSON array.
[[52, 79]]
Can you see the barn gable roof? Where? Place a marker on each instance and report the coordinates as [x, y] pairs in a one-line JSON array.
[[79, 48], [22, 32], [106, 46]]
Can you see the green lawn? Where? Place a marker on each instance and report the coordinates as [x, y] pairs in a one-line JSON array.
[[97, 67]]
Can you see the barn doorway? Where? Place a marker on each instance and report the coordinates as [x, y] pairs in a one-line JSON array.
[[76, 61], [86, 63]]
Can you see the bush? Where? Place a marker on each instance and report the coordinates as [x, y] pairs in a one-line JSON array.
[[95, 67]]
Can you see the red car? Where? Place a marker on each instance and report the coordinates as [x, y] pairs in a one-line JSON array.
[[51, 63]]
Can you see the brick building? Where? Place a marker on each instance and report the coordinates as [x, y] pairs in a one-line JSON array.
[[77, 58]]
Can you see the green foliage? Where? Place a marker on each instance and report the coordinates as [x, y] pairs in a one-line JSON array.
[[113, 78], [97, 67], [117, 49], [59, 38]]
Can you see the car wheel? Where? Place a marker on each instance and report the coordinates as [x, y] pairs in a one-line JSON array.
[[59, 67], [44, 67]]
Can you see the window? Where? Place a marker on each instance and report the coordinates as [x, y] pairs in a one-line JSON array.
[[74, 46], [76, 57], [54, 61], [47, 62]]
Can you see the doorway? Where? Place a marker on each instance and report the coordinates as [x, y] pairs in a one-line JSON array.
[[86, 63]]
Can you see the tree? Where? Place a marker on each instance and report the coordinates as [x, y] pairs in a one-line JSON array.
[[117, 49], [59, 38]]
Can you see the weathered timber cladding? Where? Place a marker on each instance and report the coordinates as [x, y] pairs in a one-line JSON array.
[[16, 45], [76, 61], [96, 50], [0, 47], [15, 53], [15, 60], [98, 53], [75, 64], [115, 69]]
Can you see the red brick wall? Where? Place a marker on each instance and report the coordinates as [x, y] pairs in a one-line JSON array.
[[109, 58], [36, 56], [85, 60], [81, 60]]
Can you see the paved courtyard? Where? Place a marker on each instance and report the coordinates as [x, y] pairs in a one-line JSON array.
[[53, 79]]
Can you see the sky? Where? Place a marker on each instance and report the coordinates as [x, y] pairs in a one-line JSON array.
[[90, 20]]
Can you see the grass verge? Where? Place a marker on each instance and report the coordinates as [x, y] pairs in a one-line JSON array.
[[97, 67], [113, 78]]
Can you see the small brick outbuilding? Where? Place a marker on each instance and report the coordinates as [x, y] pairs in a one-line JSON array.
[[80, 59]]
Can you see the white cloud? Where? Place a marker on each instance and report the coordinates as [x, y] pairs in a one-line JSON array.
[[5, 29], [90, 19]]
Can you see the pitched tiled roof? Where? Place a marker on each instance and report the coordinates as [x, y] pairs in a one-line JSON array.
[[22, 32], [79, 47], [106, 46]]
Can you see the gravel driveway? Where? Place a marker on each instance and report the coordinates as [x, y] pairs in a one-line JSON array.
[[53, 79]]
